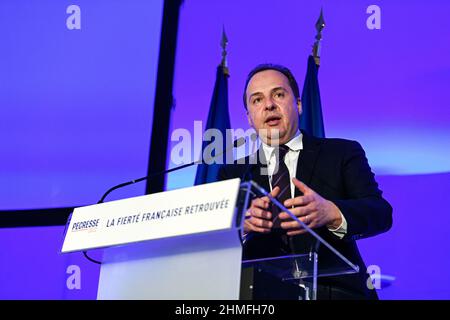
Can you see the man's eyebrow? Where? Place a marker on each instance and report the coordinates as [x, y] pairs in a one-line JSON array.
[[278, 88], [255, 94], [272, 90]]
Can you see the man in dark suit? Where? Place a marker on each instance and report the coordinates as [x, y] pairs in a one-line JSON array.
[[327, 183]]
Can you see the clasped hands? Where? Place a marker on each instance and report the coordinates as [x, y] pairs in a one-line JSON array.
[[312, 209]]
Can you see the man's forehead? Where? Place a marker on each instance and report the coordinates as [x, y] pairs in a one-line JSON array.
[[267, 80]]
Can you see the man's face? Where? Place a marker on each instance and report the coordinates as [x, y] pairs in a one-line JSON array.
[[272, 109]]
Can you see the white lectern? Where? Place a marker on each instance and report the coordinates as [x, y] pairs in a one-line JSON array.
[[186, 244]]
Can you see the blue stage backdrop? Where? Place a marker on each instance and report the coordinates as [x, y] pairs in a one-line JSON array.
[[77, 86], [77, 81], [76, 110]]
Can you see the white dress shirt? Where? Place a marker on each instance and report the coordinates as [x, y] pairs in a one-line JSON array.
[[295, 146]]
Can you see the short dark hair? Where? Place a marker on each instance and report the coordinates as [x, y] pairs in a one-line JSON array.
[[269, 66]]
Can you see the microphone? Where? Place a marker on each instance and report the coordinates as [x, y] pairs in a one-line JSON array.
[[236, 144]]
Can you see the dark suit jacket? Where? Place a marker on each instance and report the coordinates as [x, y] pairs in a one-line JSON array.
[[338, 170]]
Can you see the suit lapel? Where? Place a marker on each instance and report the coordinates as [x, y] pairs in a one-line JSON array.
[[307, 160]]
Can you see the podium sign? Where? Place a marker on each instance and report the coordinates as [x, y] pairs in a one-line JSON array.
[[203, 208]]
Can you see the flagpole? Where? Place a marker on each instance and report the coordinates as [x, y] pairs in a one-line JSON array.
[[223, 44], [320, 25]]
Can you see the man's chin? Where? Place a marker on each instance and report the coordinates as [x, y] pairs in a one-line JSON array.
[[273, 136]]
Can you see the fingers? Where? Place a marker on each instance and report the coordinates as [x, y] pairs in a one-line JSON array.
[[300, 185], [299, 201], [253, 223], [294, 228], [259, 213], [256, 225], [260, 223], [300, 230], [306, 214], [260, 203], [299, 211], [253, 228], [274, 193], [294, 224], [258, 218]]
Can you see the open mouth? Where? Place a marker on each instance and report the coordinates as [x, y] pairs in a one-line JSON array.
[[273, 120]]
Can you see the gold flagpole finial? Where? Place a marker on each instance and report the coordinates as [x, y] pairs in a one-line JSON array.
[[320, 25], [223, 44]]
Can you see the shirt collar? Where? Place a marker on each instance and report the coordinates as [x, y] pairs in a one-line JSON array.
[[295, 144]]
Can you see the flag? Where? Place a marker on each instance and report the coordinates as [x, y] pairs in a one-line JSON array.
[[311, 119], [218, 118]]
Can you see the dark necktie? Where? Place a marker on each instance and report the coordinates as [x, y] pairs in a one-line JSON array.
[[281, 179], [277, 242], [304, 243]]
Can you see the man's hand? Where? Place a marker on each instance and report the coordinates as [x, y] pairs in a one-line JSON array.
[[258, 218], [311, 209]]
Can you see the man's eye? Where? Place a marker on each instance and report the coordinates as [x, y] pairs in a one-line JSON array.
[[257, 100], [279, 94]]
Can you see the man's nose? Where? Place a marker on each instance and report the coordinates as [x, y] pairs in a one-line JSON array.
[[270, 105]]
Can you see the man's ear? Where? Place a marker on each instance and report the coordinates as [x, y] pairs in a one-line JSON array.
[[299, 106]]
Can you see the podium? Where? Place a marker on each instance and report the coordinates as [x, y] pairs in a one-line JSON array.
[[187, 244]]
